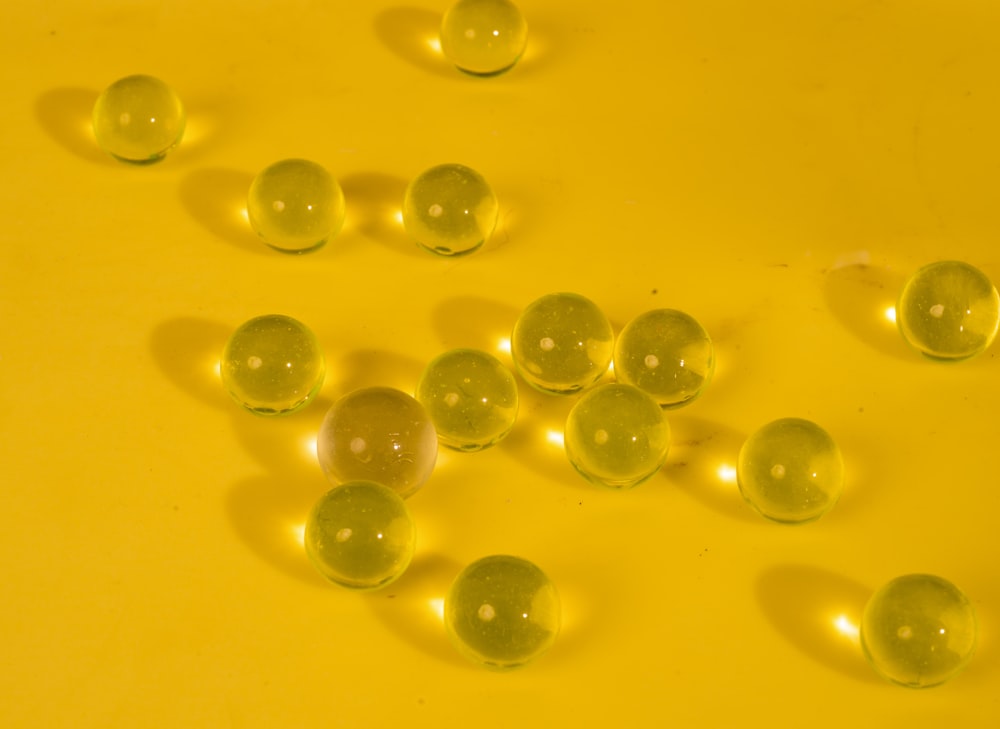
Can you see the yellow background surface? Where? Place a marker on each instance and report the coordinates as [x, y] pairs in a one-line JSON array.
[[774, 168]]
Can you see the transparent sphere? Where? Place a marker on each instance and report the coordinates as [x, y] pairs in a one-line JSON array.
[[666, 353], [360, 535], [449, 210], [272, 365], [562, 343], [295, 206], [483, 37], [948, 311], [502, 612], [919, 631], [378, 434], [470, 396], [617, 435], [138, 119], [791, 471]]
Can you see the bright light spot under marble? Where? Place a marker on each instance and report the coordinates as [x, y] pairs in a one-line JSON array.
[[727, 473], [890, 314], [504, 345], [555, 438], [846, 628], [311, 448], [436, 604], [435, 44], [299, 534]]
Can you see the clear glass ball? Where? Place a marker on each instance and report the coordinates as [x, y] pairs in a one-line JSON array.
[[138, 119], [502, 612], [562, 343], [919, 631], [450, 210], [360, 535], [617, 436], [295, 206], [666, 353], [484, 37], [272, 365], [948, 311], [791, 471], [471, 397], [378, 434]]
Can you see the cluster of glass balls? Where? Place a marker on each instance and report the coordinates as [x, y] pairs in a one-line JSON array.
[[616, 434], [378, 445]]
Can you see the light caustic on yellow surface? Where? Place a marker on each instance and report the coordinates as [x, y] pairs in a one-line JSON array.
[[777, 169]]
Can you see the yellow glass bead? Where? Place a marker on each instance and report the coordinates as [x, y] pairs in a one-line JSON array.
[[919, 631], [295, 206], [138, 119], [502, 612], [272, 365], [484, 37], [360, 535]]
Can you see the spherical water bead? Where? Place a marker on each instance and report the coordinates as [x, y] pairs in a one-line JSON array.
[[483, 37], [919, 631], [791, 471], [470, 396], [138, 119], [360, 535], [617, 435], [450, 210], [378, 434], [295, 206], [272, 365], [948, 311], [502, 612], [668, 354], [562, 343]]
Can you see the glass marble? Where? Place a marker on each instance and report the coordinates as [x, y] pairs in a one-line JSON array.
[[666, 353], [138, 119], [948, 311], [484, 37], [471, 397], [378, 434], [272, 365], [562, 343], [617, 435], [449, 210], [360, 535], [502, 612], [791, 471], [295, 206], [919, 631]]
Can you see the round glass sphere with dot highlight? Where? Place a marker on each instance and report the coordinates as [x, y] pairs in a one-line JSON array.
[[272, 365], [450, 210], [471, 397], [617, 435], [378, 434], [295, 206], [484, 37], [666, 353], [360, 535], [919, 631], [791, 471], [948, 311], [502, 612], [562, 343], [138, 119]]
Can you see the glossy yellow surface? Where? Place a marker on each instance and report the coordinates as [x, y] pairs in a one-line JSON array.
[[775, 169]]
